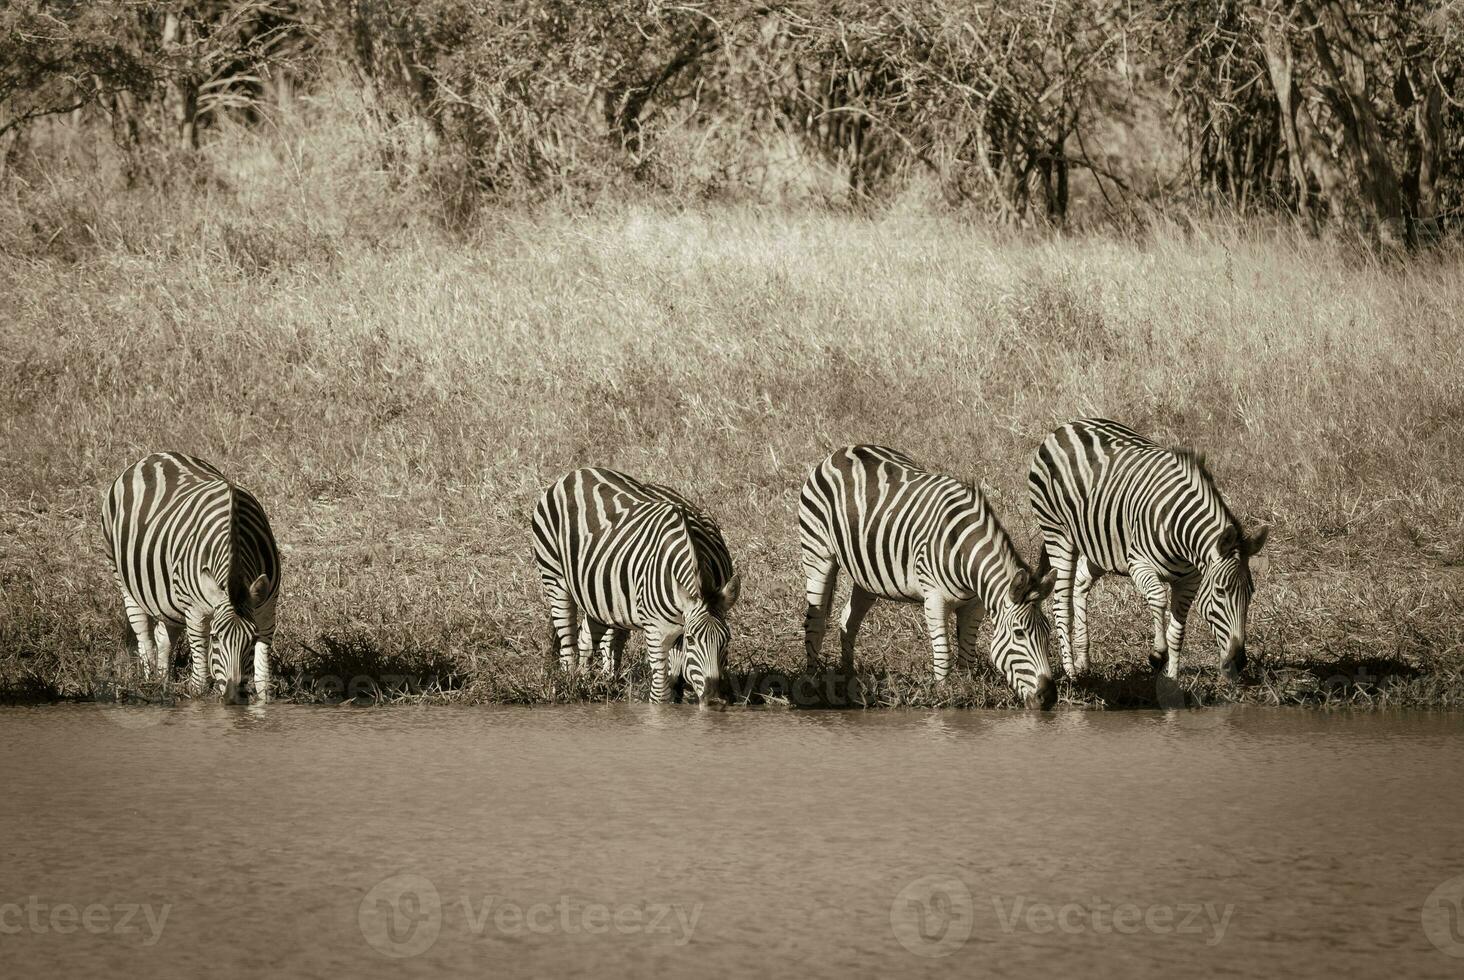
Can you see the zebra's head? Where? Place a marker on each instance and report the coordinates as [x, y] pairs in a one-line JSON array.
[[700, 656], [1021, 638], [232, 633], [1225, 592]]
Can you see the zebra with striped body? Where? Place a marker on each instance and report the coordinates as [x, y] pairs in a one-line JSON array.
[[1109, 500], [906, 534], [192, 551], [634, 555]]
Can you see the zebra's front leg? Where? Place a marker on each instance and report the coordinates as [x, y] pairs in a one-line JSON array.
[[612, 645], [199, 639], [822, 574], [656, 653], [591, 632], [1146, 577], [264, 640], [937, 611], [1181, 594], [1085, 575], [968, 621], [1063, 557], [163, 637], [854, 612]]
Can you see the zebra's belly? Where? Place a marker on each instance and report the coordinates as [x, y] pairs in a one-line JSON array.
[[612, 610], [896, 585], [155, 602]]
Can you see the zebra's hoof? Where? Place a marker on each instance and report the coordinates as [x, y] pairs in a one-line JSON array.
[[1157, 662]]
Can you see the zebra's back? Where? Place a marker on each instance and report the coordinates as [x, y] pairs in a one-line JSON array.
[[1113, 493], [873, 508]]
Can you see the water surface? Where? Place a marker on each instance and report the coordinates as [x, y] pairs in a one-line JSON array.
[[632, 839]]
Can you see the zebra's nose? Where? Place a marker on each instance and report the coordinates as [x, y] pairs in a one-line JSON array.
[[234, 693], [1045, 696], [1237, 660]]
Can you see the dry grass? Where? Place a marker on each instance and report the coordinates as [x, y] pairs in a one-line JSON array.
[[396, 396]]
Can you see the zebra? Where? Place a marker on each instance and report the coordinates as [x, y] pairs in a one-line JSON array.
[[907, 534], [635, 555], [1109, 500], [192, 551]]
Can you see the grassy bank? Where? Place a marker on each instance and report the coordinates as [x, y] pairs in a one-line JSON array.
[[396, 397]]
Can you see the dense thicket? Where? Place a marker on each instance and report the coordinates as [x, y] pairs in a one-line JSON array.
[[1345, 112]]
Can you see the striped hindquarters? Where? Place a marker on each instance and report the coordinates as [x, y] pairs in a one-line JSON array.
[[606, 536], [169, 517]]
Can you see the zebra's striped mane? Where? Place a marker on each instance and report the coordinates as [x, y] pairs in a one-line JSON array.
[[1012, 558], [1193, 463]]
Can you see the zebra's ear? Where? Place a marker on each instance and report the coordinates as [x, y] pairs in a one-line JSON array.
[[1229, 541], [1021, 584], [1255, 541], [209, 588], [258, 589], [730, 591], [1043, 588]]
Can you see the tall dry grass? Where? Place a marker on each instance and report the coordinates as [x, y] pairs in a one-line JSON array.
[[397, 394]]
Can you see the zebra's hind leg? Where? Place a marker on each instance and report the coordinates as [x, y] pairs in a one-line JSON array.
[[142, 628], [562, 620], [1146, 577], [1085, 575], [822, 572], [854, 612]]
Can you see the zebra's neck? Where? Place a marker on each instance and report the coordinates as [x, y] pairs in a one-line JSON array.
[[987, 557], [1197, 520]]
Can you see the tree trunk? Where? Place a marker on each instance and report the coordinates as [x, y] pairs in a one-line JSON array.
[[1429, 127], [180, 97], [1303, 152], [1347, 92]]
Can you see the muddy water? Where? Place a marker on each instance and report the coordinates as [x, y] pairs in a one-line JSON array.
[[632, 840]]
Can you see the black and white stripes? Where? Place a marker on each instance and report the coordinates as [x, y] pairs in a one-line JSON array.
[[1109, 500], [190, 550], [909, 535], [632, 555]]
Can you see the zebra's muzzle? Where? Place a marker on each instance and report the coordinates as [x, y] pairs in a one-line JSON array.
[[1045, 695]]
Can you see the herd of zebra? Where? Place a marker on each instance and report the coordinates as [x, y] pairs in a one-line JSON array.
[[193, 552]]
